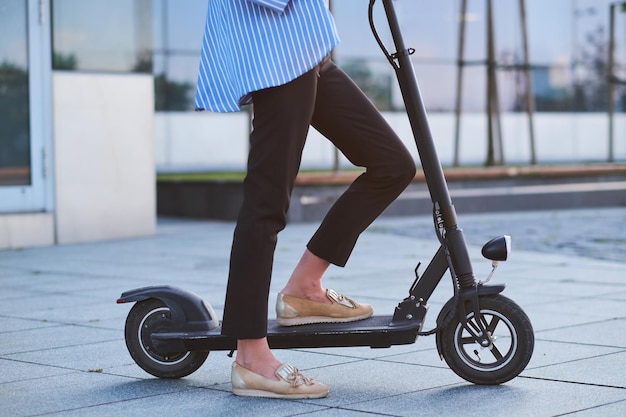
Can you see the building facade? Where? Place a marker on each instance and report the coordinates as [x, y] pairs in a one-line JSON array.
[[76, 142], [97, 96], [568, 44]]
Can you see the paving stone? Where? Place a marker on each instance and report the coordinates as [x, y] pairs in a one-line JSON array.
[[520, 397], [61, 332]]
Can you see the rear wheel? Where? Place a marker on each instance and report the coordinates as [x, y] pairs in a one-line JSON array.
[[149, 317], [512, 343]]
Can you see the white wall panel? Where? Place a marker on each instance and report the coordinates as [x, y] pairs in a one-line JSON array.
[[104, 156]]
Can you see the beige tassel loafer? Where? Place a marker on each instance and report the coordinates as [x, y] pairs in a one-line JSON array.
[[292, 311], [292, 384]]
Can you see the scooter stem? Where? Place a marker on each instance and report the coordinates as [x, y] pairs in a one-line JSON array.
[[454, 240]]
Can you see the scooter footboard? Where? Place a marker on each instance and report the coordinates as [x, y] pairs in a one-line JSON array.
[[374, 332]]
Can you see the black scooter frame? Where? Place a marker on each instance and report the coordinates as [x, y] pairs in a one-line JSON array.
[[193, 325]]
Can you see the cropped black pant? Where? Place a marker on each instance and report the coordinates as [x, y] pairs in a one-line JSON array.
[[327, 99]]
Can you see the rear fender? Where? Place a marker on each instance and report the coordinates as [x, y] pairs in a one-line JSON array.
[[189, 312]]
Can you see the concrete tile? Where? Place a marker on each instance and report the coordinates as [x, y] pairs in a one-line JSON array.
[[68, 283], [574, 289], [58, 320], [601, 333], [616, 409], [62, 308], [103, 355], [55, 337], [15, 370], [7, 272], [82, 391], [13, 324], [197, 402], [602, 369], [520, 397], [341, 412], [11, 289], [569, 269], [10, 293], [548, 353], [368, 380], [543, 321], [616, 296], [154, 269], [582, 310]]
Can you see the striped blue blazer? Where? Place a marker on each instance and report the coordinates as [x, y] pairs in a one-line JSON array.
[[249, 45]]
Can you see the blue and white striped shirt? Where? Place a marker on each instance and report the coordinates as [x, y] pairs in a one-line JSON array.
[[250, 45]]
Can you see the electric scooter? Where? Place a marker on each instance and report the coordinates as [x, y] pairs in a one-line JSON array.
[[483, 336]]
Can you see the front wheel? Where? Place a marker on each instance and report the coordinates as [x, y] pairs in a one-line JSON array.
[[512, 343], [144, 319]]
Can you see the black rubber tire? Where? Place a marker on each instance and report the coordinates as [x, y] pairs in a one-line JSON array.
[[513, 342], [147, 317]]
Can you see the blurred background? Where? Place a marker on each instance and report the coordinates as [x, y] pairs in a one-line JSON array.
[[96, 98], [567, 44]]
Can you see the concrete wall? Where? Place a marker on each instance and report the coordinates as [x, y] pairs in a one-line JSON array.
[[195, 138], [219, 141], [104, 156], [26, 229]]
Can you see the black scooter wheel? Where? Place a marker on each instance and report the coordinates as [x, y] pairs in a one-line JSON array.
[[512, 344], [148, 317]]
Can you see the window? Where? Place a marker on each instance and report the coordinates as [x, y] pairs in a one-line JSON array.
[[178, 29], [102, 35], [567, 40], [14, 93]]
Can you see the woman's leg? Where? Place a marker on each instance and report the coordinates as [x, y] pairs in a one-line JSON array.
[[346, 117], [282, 116]]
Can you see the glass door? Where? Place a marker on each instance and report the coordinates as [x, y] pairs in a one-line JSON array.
[[25, 128]]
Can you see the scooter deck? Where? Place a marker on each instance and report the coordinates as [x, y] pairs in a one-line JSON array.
[[375, 332]]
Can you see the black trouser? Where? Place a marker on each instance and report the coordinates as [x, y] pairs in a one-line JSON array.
[[329, 101]]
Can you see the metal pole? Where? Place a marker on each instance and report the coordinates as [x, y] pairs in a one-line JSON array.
[[490, 147], [530, 98], [611, 68], [494, 147], [459, 82]]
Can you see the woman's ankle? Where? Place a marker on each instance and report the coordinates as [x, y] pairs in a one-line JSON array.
[[317, 294], [306, 280], [256, 356]]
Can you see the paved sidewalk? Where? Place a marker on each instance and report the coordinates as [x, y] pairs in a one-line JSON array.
[[62, 350]]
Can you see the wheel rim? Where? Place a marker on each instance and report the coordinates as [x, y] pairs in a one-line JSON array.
[[152, 322], [502, 348]]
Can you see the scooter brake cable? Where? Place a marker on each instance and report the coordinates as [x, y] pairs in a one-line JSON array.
[[370, 13]]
